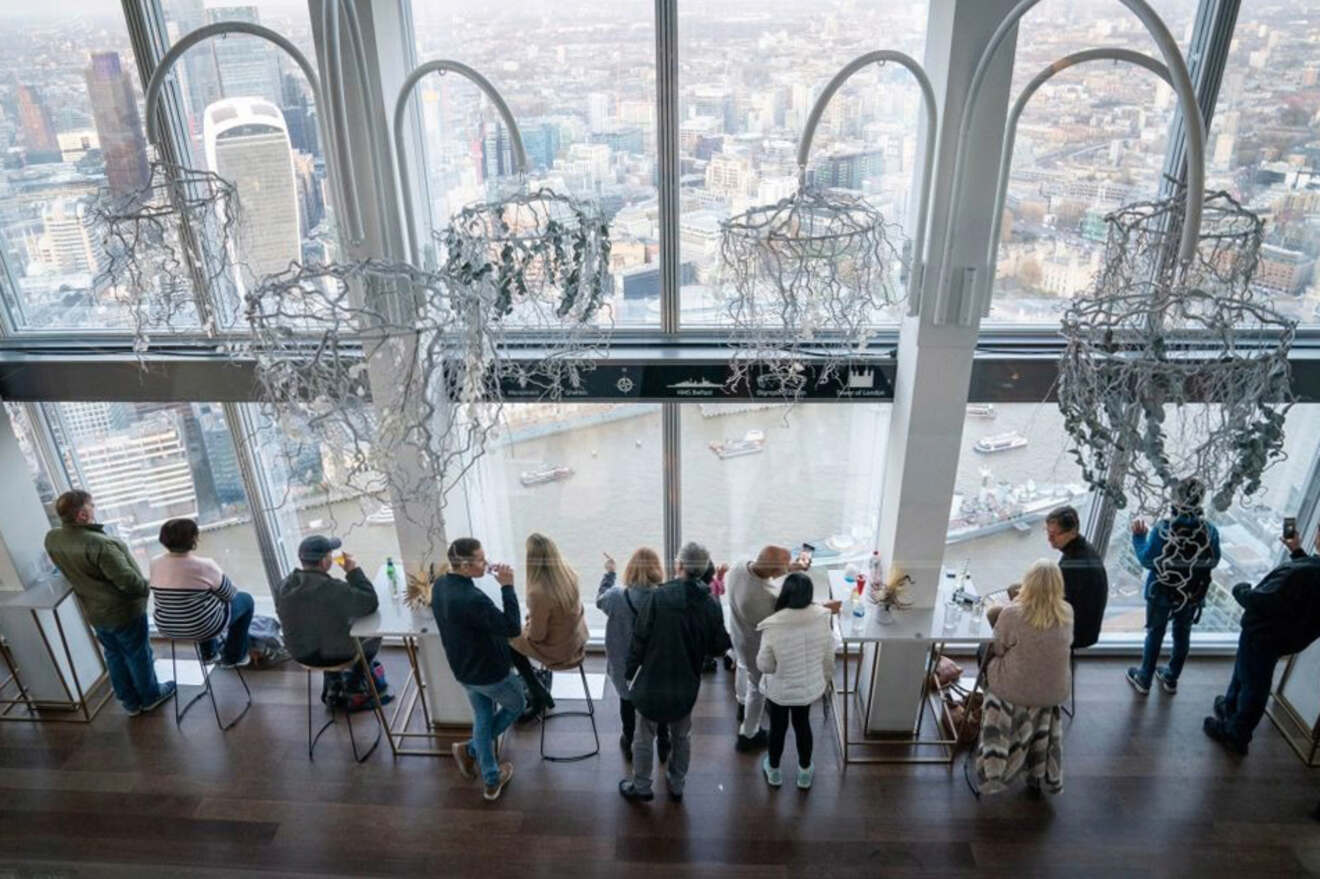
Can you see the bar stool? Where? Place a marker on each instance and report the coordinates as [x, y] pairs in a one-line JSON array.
[[589, 713], [207, 689], [348, 715]]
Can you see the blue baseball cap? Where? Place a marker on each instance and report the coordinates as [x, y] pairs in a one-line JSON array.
[[315, 547]]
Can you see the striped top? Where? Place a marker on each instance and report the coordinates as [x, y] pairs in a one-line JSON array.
[[191, 596]]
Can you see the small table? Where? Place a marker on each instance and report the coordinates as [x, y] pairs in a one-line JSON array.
[[71, 680], [920, 625], [393, 618]]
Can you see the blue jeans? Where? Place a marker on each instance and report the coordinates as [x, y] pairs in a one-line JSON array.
[[488, 724], [1159, 613], [236, 636], [130, 663], [1249, 690]]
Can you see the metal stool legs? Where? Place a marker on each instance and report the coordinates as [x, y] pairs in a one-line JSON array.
[[1071, 708], [207, 690], [312, 739], [967, 773], [589, 713]]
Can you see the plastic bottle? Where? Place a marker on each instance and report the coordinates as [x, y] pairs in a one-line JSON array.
[[393, 576], [874, 572]]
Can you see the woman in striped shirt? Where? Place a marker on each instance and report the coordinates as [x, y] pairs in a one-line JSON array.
[[194, 600]]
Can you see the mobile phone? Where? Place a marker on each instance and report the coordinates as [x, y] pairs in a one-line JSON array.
[[1289, 527]]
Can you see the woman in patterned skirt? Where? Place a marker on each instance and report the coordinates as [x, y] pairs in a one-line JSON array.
[[1027, 679]]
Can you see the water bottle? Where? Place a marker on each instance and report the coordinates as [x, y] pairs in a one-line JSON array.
[[393, 576], [874, 573]]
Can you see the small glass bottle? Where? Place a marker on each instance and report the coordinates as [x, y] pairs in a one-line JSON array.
[[393, 576]]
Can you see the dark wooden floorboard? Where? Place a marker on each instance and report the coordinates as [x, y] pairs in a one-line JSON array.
[[1145, 794]]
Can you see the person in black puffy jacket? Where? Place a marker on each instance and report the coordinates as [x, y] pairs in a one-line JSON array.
[[679, 625], [1281, 617]]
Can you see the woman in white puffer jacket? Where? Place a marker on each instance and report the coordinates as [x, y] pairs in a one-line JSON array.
[[797, 661]]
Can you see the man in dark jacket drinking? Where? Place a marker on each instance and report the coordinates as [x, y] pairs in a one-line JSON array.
[[317, 611], [678, 626], [1281, 616], [476, 636]]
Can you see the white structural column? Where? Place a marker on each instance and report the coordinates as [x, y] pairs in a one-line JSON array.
[[935, 359], [23, 522], [417, 500]]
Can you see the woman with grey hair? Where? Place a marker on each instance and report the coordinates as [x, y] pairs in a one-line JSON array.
[[678, 625]]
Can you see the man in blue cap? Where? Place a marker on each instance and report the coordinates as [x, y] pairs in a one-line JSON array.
[[317, 610]]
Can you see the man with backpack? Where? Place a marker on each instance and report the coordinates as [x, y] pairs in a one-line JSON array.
[[1180, 552], [1281, 616]]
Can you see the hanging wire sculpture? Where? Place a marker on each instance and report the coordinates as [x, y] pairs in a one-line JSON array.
[[1176, 371], [320, 330], [534, 263], [167, 245], [805, 280]]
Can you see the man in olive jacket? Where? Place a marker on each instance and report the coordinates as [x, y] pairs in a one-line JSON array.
[[678, 626], [113, 595]]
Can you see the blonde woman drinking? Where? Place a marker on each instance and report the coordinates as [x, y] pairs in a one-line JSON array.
[[1027, 679], [555, 632]]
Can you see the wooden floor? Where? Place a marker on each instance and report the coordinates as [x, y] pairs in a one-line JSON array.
[[1145, 794]]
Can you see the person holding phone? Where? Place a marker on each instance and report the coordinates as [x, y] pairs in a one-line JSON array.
[[1280, 616], [1181, 552], [317, 609]]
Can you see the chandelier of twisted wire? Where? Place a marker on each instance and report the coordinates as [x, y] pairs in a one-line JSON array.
[[1176, 370], [536, 265], [804, 281], [164, 246]]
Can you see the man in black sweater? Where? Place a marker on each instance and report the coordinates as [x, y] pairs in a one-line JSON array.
[[1085, 582], [679, 624], [476, 636], [1281, 616]]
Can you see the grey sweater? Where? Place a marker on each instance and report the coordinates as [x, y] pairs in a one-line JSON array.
[[1029, 666], [620, 604]]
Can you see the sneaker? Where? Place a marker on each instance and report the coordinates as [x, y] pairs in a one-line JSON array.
[[629, 792], [773, 776], [166, 693], [1215, 730], [245, 661], [1221, 708], [805, 777], [132, 712], [492, 792], [463, 759], [752, 743], [1134, 678], [1167, 684], [675, 796], [1033, 789], [625, 745]]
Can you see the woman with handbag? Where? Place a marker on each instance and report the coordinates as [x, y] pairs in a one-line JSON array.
[[555, 631], [1027, 680], [620, 604]]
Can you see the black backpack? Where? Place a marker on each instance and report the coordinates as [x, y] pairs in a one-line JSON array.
[[1183, 567]]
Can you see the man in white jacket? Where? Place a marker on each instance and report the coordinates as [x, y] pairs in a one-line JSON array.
[[751, 599]]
